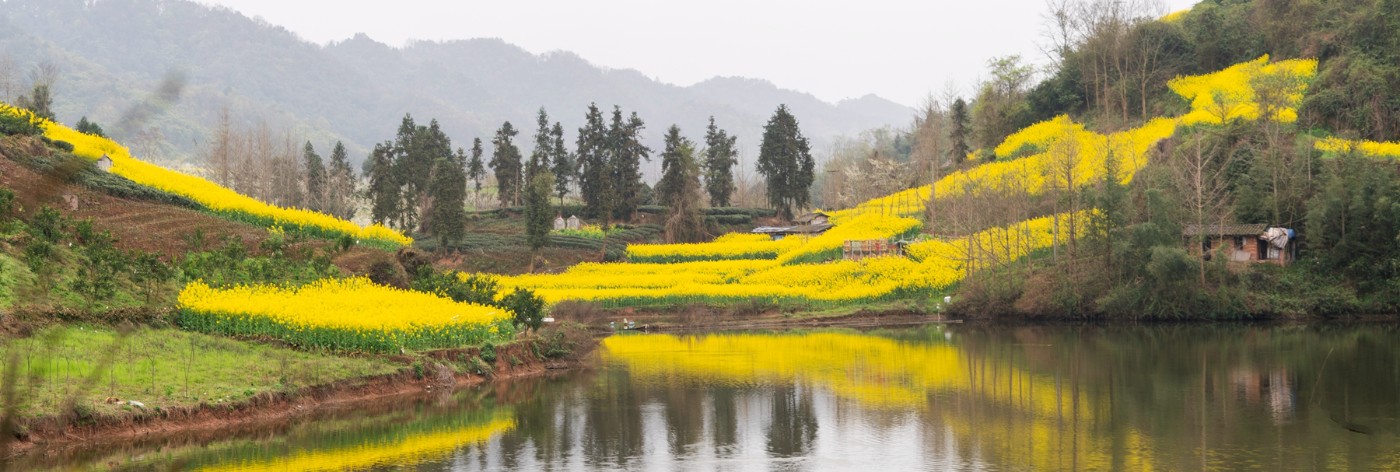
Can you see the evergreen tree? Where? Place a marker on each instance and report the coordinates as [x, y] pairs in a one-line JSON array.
[[544, 148], [720, 157], [960, 126], [383, 184], [685, 217], [625, 155], [449, 192], [315, 172], [87, 127], [785, 160], [673, 173], [538, 214], [475, 169], [594, 174], [340, 183], [39, 101], [407, 172], [505, 162], [563, 163]]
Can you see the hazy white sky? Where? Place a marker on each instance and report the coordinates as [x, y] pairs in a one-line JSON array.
[[899, 49]]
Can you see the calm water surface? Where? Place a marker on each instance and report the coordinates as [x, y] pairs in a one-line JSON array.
[[932, 398]]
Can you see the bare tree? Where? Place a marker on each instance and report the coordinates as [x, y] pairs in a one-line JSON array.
[[218, 151], [1199, 169], [7, 77]]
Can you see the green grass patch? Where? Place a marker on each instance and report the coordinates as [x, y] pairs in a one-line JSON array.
[[160, 368]]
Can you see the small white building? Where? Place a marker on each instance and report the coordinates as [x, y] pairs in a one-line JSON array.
[[573, 223], [104, 163], [558, 223]]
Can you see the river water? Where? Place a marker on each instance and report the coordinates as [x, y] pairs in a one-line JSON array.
[[938, 397]]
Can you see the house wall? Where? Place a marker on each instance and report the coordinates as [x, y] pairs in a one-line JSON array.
[[1244, 249]]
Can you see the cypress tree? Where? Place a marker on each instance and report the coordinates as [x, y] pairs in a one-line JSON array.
[[340, 188], [720, 157], [563, 163], [594, 175], [383, 184], [673, 173], [785, 161], [544, 148], [475, 169], [625, 155], [315, 172], [959, 129], [538, 215], [505, 162], [685, 218], [408, 172], [449, 191]]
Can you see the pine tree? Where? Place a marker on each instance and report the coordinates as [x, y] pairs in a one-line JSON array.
[[544, 148], [668, 189], [720, 157], [505, 162], [785, 161], [563, 163], [383, 184], [475, 169], [314, 171], [960, 125], [449, 192], [594, 174], [625, 155], [340, 184]]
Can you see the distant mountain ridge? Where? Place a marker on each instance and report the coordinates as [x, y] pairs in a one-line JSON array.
[[113, 53]]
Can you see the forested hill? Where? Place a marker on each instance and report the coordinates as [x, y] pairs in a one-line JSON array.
[[112, 54]]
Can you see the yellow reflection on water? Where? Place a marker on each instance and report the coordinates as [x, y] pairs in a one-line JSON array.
[[394, 449], [997, 410]]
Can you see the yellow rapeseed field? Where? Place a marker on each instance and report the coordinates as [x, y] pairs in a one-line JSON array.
[[213, 196], [352, 314], [1054, 154], [1376, 149]]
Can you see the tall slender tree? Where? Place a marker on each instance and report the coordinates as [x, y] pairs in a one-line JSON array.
[[673, 173], [720, 157], [541, 155], [476, 170], [785, 161], [685, 216], [594, 174], [626, 153], [564, 168], [505, 162], [537, 213], [383, 184], [340, 183], [959, 129], [449, 192], [315, 171]]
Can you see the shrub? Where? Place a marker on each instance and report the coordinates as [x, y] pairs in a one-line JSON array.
[[528, 308]]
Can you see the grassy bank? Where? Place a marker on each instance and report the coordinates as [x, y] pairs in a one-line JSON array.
[[160, 368]]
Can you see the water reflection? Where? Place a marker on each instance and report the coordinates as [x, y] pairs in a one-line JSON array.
[[988, 398]]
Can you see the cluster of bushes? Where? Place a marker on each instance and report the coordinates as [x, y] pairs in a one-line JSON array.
[[68, 257], [527, 307]]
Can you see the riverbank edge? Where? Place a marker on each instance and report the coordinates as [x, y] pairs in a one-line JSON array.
[[448, 370]]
